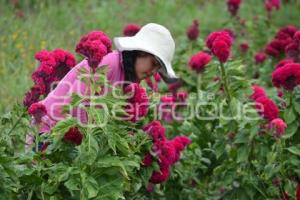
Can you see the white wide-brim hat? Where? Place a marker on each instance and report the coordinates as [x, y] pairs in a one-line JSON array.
[[156, 40]]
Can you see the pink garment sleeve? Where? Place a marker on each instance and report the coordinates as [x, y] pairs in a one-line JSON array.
[[61, 95]]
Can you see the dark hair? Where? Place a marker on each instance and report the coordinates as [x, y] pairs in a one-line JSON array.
[[129, 59]]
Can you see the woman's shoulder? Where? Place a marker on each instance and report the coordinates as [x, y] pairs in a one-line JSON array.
[[112, 57]]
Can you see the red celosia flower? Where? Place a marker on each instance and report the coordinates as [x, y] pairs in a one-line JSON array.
[[32, 96], [282, 42], [221, 50], [53, 67], [267, 108], [298, 193], [181, 96], [244, 47], [220, 44], [221, 35], [138, 103], [270, 4], [37, 110], [150, 188], [296, 38], [180, 142], [157, 77], [230, 32], [283, 62], [278, 126], [286, 33], [160, 176], [292, 50], [65, 61], [94, 45], [131, 29], [199, 61], [287, 76], [193, 31], [233, 6], [279, 93], [147, 161], [260, 57], [275, 48], [73, 135], [257, 92], [156, 131], [167, 151], [165, 107]]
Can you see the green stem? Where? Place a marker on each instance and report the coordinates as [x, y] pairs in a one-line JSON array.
[[198, 86], [30, 195], [225, 82]]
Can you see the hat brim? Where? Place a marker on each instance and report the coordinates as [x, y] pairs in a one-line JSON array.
[[130, 44]]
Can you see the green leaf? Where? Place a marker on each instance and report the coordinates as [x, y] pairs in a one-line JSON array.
[[64, 125], [294, 150], [112, 161], [242, 153], [289, 115], [290, 130], [73, 183], [297, 107], [91, 187]]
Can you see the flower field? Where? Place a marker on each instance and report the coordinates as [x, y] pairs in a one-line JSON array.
[[229, 129]]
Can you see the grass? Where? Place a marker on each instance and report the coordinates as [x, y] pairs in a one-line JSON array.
[[59, 24]]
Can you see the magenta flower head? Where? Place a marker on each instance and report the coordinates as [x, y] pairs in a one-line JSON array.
[[192, 32], [156, 131], [260, 57], [272, 4], [131, 29], [244, 47], [258, 91], [32, 96], [138, 103], [37, 110], [73, 135], [220, 44], [199, 61], [54, 65], [267, 108], [94, 46], [278, 127], [233, 6], [287, 76]]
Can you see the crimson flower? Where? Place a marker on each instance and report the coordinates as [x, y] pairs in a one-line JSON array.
[[131, 29], [220, 44], [138, 103], [73, 135], [37, 110], [193, 31], [94, 46], [278, 126], [258, 91], [199, 61], [233, 6], [287, 76], [267, 108], [260, 57]]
